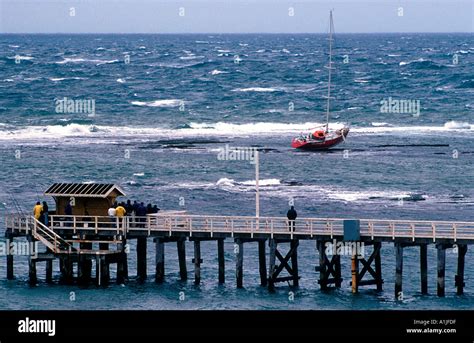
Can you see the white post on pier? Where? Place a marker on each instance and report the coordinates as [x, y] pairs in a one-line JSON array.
[[257, 192]]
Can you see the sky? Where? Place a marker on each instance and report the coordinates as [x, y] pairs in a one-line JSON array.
[[234, 16]]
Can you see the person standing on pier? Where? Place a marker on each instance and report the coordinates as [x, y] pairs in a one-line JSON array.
[[120, 213], [68, 212], [129, 207], [45, 214], [291, 215], [37, 210], [141, 214], [149, 209], [111, 213]]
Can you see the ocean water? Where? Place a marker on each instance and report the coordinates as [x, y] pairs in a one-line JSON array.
[[161, 119]]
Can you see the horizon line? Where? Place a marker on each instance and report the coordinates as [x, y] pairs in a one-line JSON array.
[[230, 33]]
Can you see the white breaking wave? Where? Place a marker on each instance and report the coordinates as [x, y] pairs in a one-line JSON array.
[[456, 125], [410, 62], [190, 57], [225, 182], [108, 133], [57, 79], [158, 103], [49, 132], [264, 182], [217, 72], [281, 189], [85, 60], [138, 174], [23, 58], [259, 89], [119, 80]]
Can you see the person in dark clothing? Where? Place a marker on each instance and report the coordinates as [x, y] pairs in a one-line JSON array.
[[68, 209], [141, 213], [155, 209], [44, 214], [135, 206], [141, 210], [129, 207], [291, 215], [68, 212], [149, 209]]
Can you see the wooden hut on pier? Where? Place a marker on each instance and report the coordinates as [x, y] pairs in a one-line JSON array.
[[92, 199]]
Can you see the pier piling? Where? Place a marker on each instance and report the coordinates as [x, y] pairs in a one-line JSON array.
[[124, 259], [181, 246], [141, 258], [122, 270], [49, 271], [239, 262], [398, 269], [271, 264], [10, 273], [197, 262], [221, 260], [378, 265], [294, 261], [32, 271], [105, 266], [105, 271], [441, 269], [84, 265], [67, 270], [355, 274], [31, 263], [262, 262], [459, 282], [160, 260], [322, 268], [424, 268]]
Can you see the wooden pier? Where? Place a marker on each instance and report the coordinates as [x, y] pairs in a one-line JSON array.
[[79, 241]]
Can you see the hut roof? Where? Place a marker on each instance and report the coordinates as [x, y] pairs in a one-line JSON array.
[[88, 190]]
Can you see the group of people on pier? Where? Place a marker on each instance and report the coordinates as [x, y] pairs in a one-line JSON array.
[[117, 210], [120, 210]]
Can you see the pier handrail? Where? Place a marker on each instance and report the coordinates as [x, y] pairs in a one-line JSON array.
[[214, 224], [48, 237]]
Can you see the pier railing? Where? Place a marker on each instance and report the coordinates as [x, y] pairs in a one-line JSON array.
[[269, 226]]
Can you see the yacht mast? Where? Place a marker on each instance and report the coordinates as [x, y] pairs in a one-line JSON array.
[[331, 30]]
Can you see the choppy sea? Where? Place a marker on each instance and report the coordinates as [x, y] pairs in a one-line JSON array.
[[164, 106]]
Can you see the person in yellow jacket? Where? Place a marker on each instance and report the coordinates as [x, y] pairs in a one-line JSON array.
[[38, 210], [120, 211]]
